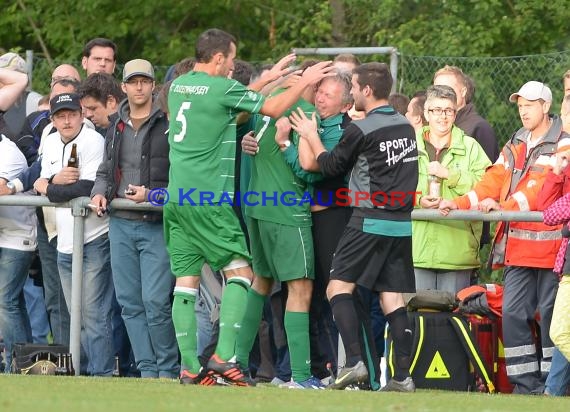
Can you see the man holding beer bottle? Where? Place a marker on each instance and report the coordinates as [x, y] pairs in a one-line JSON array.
[[75, 145]]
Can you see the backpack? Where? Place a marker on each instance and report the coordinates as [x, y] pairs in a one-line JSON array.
[[444, 354]]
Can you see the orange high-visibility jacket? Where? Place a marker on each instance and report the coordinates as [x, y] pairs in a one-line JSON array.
[[515, 181]]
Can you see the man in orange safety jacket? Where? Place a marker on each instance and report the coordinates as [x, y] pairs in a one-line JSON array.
[[526, 249]]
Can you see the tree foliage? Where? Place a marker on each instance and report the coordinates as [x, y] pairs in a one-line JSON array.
[[165, 31]]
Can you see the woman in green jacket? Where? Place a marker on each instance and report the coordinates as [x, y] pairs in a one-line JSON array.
[[450, 163]]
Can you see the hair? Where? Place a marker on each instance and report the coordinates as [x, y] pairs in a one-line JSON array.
[[566, 75], [43, 100], [183, 67], [399, 102], [347, 58], [377, 76], [100, 42], [440, 92], [243, 72], [308, 63], [454, 70], [418, 105], [470, 86], [100, 86], [162, 97], [213, 41], [344, 78], [66, 82]]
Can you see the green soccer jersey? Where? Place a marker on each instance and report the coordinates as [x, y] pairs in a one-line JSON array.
[[202, 136], [275, 193]]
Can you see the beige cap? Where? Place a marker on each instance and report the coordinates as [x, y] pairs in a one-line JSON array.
[[137, 67], [14, 62]]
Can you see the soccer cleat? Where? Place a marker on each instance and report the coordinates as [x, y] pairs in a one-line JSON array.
[[200, 378], [229, 371], [277, 381], [356, 374], [407, 385], [310, 383]]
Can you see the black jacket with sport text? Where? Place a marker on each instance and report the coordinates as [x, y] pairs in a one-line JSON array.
[[380, 152]]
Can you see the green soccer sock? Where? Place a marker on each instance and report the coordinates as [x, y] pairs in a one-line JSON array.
[[233, 306], [184, 320], [297, 329], [249, 326]]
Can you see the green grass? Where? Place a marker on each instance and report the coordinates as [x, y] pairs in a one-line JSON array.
[[77, 394]]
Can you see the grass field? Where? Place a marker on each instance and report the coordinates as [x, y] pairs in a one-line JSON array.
[[78, 394]]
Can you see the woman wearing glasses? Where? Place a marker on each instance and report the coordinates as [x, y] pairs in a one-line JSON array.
[[446, 251]]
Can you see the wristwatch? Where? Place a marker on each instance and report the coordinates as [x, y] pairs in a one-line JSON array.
[[12, 187], [285, 144]]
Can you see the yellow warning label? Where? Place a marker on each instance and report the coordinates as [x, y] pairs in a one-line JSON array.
[[437, 369], [501, 349]]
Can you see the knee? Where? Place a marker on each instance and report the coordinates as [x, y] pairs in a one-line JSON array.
[[192, 282], [336, 287], [262, 285], [300, 290]]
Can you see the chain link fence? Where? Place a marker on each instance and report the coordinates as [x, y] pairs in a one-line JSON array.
[[495, 79]]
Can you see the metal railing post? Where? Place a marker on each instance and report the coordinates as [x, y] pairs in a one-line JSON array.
[[30, 67], [394, 69], [79, 212]]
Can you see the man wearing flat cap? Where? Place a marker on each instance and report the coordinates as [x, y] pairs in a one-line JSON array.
[[526, 250], [137, 145], [96, 335]]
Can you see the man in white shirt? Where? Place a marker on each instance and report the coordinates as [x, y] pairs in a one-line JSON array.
[[17, 246], [97, 291]]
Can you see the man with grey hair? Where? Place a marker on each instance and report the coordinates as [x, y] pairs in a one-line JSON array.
[[332, 101]]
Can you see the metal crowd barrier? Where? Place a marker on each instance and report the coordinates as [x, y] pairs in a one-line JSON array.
[[80, 210]]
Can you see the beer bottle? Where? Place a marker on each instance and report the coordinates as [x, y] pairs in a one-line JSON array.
[[73, 160], [116, 370]]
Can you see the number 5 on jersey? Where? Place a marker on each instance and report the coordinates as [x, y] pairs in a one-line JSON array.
[[180, 117]]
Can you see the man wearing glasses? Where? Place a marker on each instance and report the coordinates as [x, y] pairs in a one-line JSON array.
[[137, 146]]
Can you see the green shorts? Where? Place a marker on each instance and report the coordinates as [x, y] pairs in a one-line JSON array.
[[198, 234], [281, 252]]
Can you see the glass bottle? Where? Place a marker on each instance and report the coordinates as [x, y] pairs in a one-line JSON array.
[[434, 186], [73, 160]]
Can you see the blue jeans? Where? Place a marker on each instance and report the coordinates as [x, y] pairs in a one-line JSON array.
[[14, 322], [143, 285], [36, 308], [97, 297], [559, 376], [57, 310]]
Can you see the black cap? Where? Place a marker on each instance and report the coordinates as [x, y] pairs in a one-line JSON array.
[[69, 101]]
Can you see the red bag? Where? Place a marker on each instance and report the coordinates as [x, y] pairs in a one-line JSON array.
[[488, 334]]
